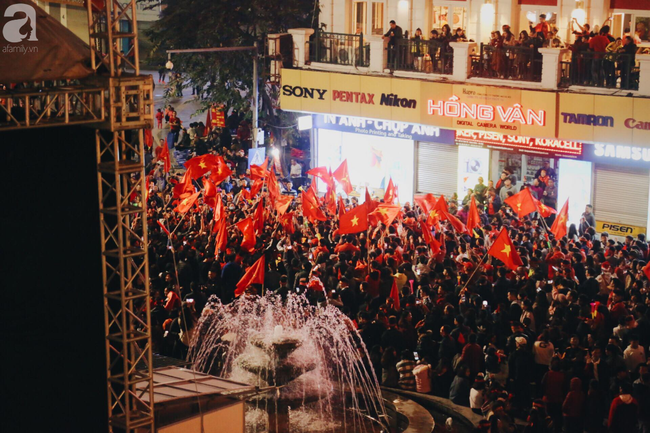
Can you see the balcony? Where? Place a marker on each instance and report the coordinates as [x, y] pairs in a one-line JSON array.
[[519, 67]]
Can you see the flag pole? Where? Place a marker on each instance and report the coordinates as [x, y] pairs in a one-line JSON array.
[[475, 269]]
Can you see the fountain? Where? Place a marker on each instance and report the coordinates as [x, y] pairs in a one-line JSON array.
[[311, 358]]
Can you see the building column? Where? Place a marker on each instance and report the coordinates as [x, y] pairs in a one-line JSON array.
[[644, 74], [462, 61], [300, 38], [377, 53], [551, 67]]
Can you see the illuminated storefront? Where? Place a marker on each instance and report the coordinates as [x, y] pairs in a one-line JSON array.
[[437, 137]]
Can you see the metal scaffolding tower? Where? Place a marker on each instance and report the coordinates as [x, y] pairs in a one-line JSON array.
[[123, 213]]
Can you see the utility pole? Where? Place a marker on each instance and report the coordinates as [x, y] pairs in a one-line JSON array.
[[256, 95]]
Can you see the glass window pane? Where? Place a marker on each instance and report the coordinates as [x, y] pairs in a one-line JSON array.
[[377, 18], [440, 16], [360, 17], [459, 18]]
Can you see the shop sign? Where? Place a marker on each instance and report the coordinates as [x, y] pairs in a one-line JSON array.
[[486, 115], [618, 229], [618, 154], [385, 128], [541, 146]]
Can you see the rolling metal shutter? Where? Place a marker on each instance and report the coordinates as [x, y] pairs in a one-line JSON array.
[[621, 195], [437, 168]]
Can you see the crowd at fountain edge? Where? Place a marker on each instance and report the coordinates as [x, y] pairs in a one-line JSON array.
[[554, 342]]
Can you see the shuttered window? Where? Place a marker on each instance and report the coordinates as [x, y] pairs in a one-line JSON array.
[[621, 195], [437, 168]]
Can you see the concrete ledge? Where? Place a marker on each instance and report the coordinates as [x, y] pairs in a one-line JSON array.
[[338, 68], [419, 419], [464, 419], [502, 82], [603, 91], [423, 75]]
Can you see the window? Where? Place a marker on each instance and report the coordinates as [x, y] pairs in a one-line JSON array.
[[377, 18], [359, 18], [441, 17], [641, 29]]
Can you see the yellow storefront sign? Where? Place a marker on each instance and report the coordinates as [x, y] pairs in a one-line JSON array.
[[445, 105], [617, 229]]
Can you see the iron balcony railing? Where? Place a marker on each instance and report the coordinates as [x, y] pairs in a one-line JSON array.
[[339, 49], [421, 56], [593, 69], [510, 63]]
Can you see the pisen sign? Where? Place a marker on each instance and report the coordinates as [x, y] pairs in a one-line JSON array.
[[540, 146]]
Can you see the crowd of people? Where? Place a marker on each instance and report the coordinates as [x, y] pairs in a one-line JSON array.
[[557, 343]]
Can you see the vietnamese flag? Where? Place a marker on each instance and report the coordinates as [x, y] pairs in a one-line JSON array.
[[390, 194], [185, 187], [341, 174], [504, 250], [245, 194], [473, 218], [272, 186], [187, 203], [220, 171], [522, 203], [321, 172], [221, 228], [310, 209], [258, 217], [386, 213], [200, 165], [341, 207], [253, 275], [544, 210], [164, 156], [246, 227], [257, 187], [260, 171], [559, 225], [426, 203], [209, 193], [219, 213], [441, 208], [646, 270], [456, 223], [330, 201], [287, 223], [354, 221], [282, 203], [370, 203], [429, 238], [394, 293]]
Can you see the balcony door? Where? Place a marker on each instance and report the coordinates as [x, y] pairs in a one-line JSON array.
[[368, 18]]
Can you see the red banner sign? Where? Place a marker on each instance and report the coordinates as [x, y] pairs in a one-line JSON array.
[[541, 146]]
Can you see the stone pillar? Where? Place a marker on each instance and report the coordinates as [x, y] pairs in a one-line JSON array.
[[377, 53], [551, 67], [644, 74], [462, 61], [300, 38]]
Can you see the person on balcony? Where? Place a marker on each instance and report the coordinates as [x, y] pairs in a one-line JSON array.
[[497, 62], [626, 63], [417, 42], [459, 36], [393, 34], [445, 38], [598, 44], [542, 27]]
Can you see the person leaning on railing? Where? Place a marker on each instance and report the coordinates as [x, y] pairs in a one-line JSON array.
[[626, 64]]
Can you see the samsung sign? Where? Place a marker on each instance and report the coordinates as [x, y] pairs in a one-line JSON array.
[[385, 128], [618, 154]]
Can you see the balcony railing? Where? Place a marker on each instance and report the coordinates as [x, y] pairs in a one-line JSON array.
[[421, 56], [339, 49], [611, 70], [511, 62]]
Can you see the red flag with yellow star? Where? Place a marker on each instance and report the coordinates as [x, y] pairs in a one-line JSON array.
[[330, 201], [221, 228], [282, 203], [456, 223], [504, 250], [210, 193], [200, 165], [391, 194], [256, 187], [341, 174], [287, 223], [559, 225], [273, 187], [473, 218], [219, 213], [165, 158], [522, 203], [386, 213], [185, 187], [426, 202], [260, 171], [370, 203], [220, 171], [258, 217], [341, 207], [354, 221], [253, 275], [310, 208], [187, 203], [429, 238], [544, 211], [441, 208], [321, 172], [246, 227]]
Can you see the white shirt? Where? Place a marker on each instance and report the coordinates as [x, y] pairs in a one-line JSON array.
[[475, 398], [296, 170], [633, 357], [422, 373], [543, 352]]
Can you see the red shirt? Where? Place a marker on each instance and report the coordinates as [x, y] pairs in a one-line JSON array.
[[599, 43]]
